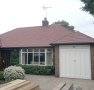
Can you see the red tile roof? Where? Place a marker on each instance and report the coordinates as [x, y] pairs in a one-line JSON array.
[[42, 36], [74, 37]]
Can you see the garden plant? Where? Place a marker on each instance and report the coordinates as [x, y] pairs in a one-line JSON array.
[[13, 73]]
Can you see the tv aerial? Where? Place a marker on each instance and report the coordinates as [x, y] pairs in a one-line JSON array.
[[45, 8]]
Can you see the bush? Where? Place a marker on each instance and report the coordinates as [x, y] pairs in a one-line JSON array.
[[14, 72], [1, 75], [38, 70], [14, 58]]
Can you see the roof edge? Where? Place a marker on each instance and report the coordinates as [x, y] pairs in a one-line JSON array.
[[87, 43], [26, 47]]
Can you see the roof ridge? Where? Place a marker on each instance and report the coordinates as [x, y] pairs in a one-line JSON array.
[[73, 33], [39, 26], [63, 36]]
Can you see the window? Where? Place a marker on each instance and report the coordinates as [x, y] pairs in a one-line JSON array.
[[30, 58], [36, 50], [36, 56], [24, 50], [30, 50], [42, 50], [49, 59], [49, 50], [42, 58], [24, 58]]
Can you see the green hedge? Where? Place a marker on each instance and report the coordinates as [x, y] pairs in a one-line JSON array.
[[1, 75], [38, 70], [14, 58]]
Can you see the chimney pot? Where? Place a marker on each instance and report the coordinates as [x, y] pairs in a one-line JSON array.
[[45, 23]]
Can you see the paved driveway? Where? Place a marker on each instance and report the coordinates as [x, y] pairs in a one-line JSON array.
[[49, 82]]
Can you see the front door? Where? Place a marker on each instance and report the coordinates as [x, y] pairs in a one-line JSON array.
[[5, 59]]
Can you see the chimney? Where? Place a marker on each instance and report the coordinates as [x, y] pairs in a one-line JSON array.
[[45, 23]]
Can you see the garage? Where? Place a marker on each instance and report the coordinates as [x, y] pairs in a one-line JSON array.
[[75, 61]]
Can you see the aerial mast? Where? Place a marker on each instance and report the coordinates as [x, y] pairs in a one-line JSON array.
[[45, 8]]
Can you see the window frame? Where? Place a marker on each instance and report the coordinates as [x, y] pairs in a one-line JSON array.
[[45, 52]]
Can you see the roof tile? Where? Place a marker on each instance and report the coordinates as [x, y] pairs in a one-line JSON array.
[[42, 36], [75, 37]]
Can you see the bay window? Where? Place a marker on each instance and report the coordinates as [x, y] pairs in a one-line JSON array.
[[36, 56]]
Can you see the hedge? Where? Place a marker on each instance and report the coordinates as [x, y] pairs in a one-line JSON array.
[[1, 75], [14, 58], [38, 70]]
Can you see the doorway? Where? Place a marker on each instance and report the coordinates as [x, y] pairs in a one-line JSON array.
[[5, 59]]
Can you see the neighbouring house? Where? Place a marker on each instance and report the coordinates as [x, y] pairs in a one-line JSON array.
[[72, 51]]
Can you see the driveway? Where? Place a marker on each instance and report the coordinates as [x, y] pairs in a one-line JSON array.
[[49, 82]]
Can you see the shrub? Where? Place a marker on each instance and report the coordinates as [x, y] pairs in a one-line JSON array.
[[1, 75], [14, 58], [38, 70], [14, 72]]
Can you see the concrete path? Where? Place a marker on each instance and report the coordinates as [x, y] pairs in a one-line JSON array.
[[49, 82]]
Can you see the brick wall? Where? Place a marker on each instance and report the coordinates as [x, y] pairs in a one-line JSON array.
[[57, 61], [92, 61]]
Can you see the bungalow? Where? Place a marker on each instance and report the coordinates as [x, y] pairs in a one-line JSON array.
[[72, 51]]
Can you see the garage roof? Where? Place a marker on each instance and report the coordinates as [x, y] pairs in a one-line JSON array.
[[42, 36], [74, 37]]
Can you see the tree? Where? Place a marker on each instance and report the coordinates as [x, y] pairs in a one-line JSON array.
[[89, 6], [65, 24]]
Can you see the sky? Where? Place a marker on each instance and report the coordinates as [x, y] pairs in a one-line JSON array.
[[28, 13]]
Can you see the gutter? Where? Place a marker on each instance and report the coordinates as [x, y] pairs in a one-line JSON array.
[[26, 47], [88, 43]]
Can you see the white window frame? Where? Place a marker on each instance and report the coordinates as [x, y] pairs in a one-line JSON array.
[[45, 52]]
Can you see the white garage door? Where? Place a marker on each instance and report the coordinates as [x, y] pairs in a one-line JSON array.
[[74, 61]]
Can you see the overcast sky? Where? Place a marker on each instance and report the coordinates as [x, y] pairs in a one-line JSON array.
[[27, 13]]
